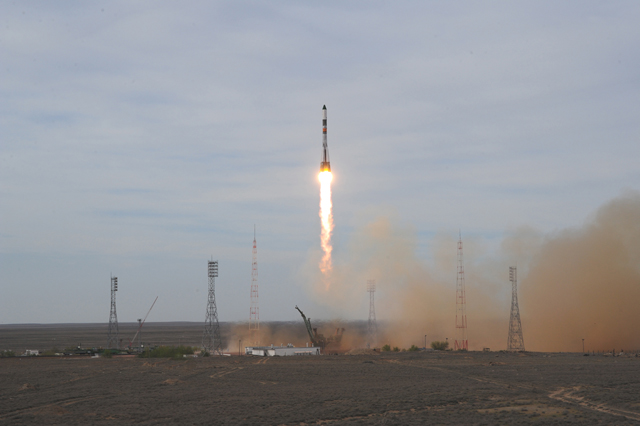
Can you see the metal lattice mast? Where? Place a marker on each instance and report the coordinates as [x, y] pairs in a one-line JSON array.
[[372, 327], [515, 341], [211, 341], [461, 342], [254, 311], [112, 335]]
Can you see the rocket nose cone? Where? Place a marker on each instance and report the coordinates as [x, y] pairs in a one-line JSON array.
[[324, 107]]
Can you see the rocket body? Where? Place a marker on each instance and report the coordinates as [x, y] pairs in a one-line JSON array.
[[325, 166]]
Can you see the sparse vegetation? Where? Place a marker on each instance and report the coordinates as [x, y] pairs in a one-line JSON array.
[[107, 354], [386, 348], [414, 348], [439, 346], [173, 352], [396, 349], [205, 353], [7, 354]]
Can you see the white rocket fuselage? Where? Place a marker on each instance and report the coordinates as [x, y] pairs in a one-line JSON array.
[[325, 166]]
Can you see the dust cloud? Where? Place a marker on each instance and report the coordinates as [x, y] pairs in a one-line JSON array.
[[575, 283], [584, 283]]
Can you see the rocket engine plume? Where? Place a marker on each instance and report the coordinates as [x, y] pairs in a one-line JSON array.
[[326, 216], [326, 220]]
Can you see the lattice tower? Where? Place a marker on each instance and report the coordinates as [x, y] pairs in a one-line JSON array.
[[211, 341], [112, 335], [461, 341], [372, 327], [515, 341], [254, 309]]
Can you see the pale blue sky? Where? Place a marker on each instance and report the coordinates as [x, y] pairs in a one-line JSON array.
[[140, 139]]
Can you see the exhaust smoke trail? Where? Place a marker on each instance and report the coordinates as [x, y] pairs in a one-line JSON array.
[[326, 220]]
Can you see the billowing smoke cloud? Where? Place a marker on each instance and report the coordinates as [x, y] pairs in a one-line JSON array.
[[584, 283], [573, 284]]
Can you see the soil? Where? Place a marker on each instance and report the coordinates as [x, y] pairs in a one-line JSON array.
[[448, 388]]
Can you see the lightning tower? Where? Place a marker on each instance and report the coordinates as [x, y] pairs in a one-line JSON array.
[[515, 341], [254, 310], [372, 327], [112, 335], [461, 342], [211, 338]]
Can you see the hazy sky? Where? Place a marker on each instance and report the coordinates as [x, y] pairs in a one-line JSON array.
[[140, 139]]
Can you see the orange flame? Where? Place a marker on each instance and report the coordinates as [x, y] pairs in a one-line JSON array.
[[326, 220]]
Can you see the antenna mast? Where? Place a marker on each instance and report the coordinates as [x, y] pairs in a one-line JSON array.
[[372, 327], [515, 341], [254, 310], [461, 342]]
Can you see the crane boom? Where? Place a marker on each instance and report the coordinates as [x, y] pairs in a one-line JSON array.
[[307, 323], [142, 323]]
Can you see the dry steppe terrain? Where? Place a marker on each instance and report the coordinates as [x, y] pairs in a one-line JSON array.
[[472, 388]]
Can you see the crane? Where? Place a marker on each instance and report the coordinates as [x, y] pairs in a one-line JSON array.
[[319, 339], [142, 323]]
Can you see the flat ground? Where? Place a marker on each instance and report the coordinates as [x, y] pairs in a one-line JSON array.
[[391, 388]]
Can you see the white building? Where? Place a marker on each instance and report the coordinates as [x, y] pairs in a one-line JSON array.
[[288, 350]]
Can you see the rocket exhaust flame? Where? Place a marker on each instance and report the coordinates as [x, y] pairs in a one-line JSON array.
[[326, 220]]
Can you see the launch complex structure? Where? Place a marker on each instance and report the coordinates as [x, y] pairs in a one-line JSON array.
[[211, 340]]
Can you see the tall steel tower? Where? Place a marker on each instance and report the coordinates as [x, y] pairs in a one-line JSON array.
[[372, 327], [515, 341], [211, 341], [254, 311], [112, 336], [461, 304]]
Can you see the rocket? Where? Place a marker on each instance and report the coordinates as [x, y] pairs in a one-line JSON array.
[[325, 166]]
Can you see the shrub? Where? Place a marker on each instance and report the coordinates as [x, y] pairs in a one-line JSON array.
[[386, 348], [396, 349], [7, 354], [439, 346], [205, 353], [414, 348], [107, 354]]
